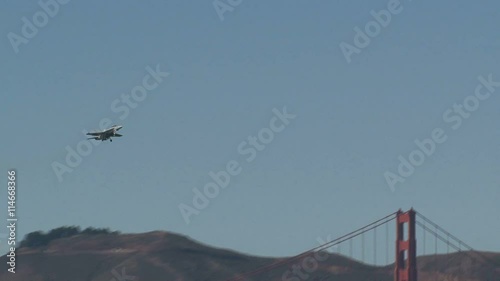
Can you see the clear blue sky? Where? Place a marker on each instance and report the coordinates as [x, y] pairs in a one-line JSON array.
[[323, 175]]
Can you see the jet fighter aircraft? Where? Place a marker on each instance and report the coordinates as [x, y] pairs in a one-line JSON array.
[[106, 134]]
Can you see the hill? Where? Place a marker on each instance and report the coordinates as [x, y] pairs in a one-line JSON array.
[[103, 256]]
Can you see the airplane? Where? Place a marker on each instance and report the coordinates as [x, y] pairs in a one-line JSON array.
[[106, 134]]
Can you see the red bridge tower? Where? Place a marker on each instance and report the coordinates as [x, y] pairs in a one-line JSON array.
[[406, 250]]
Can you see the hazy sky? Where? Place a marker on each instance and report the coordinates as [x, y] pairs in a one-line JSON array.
[[323, 174]]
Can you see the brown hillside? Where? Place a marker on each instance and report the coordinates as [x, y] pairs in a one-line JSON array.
[[165, 256]]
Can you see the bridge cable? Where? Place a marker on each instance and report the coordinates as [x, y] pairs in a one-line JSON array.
[[387, 243], [468, 253], [424, 244], [363, 247], [337, 241], [375, 246]]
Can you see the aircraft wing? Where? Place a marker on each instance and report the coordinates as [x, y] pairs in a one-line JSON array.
[[95, 134], [107, 131]]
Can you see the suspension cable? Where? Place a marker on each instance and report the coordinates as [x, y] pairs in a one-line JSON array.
[[339, 240]]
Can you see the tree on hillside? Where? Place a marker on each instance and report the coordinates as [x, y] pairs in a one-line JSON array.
[[34, 239], [94, 231], [40, 239]]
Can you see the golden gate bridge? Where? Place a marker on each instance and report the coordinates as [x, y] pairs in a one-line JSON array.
[[408, 225]]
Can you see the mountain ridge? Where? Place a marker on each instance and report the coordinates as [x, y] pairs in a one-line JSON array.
[[161, 255]]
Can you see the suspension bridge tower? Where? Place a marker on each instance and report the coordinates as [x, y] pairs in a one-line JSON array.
[[405, 268]]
